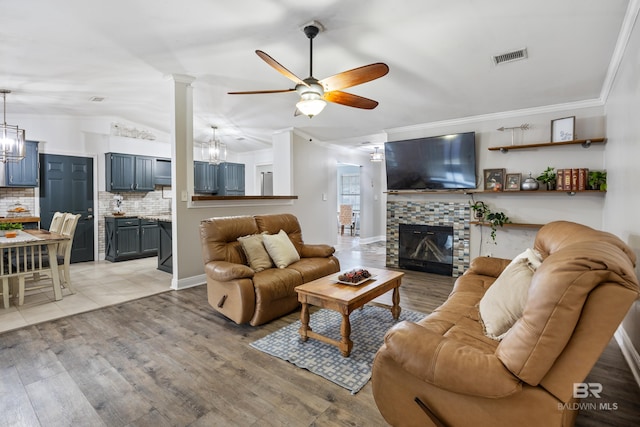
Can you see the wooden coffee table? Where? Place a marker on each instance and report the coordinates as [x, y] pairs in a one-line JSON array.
[[325, 292]]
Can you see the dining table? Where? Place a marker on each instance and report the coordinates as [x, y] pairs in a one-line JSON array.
[[26, 253]]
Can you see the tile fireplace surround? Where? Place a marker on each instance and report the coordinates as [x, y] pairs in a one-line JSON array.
[[456, 215]]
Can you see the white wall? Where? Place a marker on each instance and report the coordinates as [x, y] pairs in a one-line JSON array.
[[623, 174]]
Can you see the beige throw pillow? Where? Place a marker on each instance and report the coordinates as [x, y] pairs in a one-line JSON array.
[[255, 251], [503, 303], [280, 249]]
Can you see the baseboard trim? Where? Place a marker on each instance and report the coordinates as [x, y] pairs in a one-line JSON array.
[[629, 352], [374, 239], [188, 282]]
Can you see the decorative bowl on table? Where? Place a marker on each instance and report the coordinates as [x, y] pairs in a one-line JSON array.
[[355, 277], [10, 234]]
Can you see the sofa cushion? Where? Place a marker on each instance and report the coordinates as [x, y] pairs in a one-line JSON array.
[[255, 251], [504, 301], [280, 249]]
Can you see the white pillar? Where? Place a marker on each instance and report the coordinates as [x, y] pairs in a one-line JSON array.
[[181, 156]]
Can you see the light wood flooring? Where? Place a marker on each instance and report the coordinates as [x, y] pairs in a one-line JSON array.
[[170, 360]]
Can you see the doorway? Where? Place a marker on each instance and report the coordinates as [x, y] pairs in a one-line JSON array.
[[349, 195], [66, 185]]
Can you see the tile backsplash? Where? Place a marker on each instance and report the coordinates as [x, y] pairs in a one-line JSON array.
[[10, 196]]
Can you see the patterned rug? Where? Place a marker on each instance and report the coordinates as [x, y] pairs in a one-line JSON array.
[[368, 327]]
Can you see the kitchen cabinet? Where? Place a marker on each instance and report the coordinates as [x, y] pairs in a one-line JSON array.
[[205, 178], [24, 173], [127, 172], [231, 179], [162, 172], [130, 238]]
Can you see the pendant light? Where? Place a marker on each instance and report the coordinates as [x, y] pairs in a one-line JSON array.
[[376, 156], [12, 147], [214, 151]]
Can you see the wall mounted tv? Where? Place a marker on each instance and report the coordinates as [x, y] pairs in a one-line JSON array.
[[446, 162]]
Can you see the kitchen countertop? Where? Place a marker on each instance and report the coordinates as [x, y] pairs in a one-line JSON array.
[[158, 217], [19, 219], [153, 217]]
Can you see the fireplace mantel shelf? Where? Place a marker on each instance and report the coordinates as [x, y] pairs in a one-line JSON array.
[[509, 225]]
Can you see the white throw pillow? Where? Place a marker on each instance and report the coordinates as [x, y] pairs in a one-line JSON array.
[[503, 303], [280, 249], [255, 251]]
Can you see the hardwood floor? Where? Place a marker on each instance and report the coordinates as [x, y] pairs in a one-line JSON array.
[[170, 360]]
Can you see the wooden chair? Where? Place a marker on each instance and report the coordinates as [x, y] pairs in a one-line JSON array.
[[64, 250], [346, 218], [56, 222], [5, 292]]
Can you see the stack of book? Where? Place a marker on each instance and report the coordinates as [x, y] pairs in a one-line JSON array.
[[572, 179]]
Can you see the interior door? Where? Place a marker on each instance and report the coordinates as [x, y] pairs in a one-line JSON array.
[[66, 185]]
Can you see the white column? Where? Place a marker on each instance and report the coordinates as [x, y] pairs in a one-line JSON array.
[[181, 95]]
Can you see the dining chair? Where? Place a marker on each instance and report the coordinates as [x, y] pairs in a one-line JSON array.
[[56, 222], [64, 249], [5, 292], [345, 217]]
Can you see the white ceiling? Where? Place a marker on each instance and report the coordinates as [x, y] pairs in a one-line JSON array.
[[56, 55]]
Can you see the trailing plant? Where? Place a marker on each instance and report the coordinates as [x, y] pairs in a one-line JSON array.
[[494, 219], [598, 180]]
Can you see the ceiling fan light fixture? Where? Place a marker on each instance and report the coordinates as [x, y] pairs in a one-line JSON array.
[[311, 104], [12, 147]]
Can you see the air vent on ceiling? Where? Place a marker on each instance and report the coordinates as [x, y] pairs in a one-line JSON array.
[[515, 55], [96, 99]]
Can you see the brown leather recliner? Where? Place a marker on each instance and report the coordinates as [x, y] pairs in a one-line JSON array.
[[443, 370], [240, 293]]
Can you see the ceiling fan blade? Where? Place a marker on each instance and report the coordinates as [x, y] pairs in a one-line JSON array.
[[256, 92], [354, 77], [350, 100], [275, 64]]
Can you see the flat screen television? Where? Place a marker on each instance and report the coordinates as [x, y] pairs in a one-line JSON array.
[[446, 162]]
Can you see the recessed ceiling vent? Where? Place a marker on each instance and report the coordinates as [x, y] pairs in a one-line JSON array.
[[96, 99], [515, 55]]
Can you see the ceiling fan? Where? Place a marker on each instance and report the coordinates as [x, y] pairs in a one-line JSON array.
[[313, 92]]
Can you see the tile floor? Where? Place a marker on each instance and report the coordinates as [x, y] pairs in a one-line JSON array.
[[96, 284]]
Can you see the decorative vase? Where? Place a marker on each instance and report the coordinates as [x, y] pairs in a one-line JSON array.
[[530, 184]]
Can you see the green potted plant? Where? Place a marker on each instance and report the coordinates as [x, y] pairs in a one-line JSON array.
[[548, 176], [598, 180], [479, 209], [484, 215]]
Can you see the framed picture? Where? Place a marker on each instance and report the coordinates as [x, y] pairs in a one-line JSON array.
[[493, 179], [513, 182], [563, 129]]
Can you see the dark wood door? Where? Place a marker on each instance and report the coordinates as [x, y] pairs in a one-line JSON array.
[[66, 185]]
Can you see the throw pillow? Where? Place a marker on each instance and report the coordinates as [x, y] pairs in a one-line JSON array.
[[280, 249], [503, 303], [255, 251]]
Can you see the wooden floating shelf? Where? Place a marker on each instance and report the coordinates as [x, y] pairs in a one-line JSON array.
[[547, 192], [509, 225], [586, 143], [203, 197]]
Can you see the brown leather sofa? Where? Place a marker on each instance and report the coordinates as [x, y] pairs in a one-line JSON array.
[[444, 371], [240, 293]]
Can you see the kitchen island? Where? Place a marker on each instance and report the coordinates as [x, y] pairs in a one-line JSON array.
[[165, 251]]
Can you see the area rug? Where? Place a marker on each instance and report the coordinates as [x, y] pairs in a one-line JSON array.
[[368, 327]]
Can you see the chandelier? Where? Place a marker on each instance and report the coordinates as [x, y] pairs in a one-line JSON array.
[[214, 151], [376, 156], [12, 147]]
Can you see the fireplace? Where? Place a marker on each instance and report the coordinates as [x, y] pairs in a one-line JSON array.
[[454, 215], [426, 248]]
